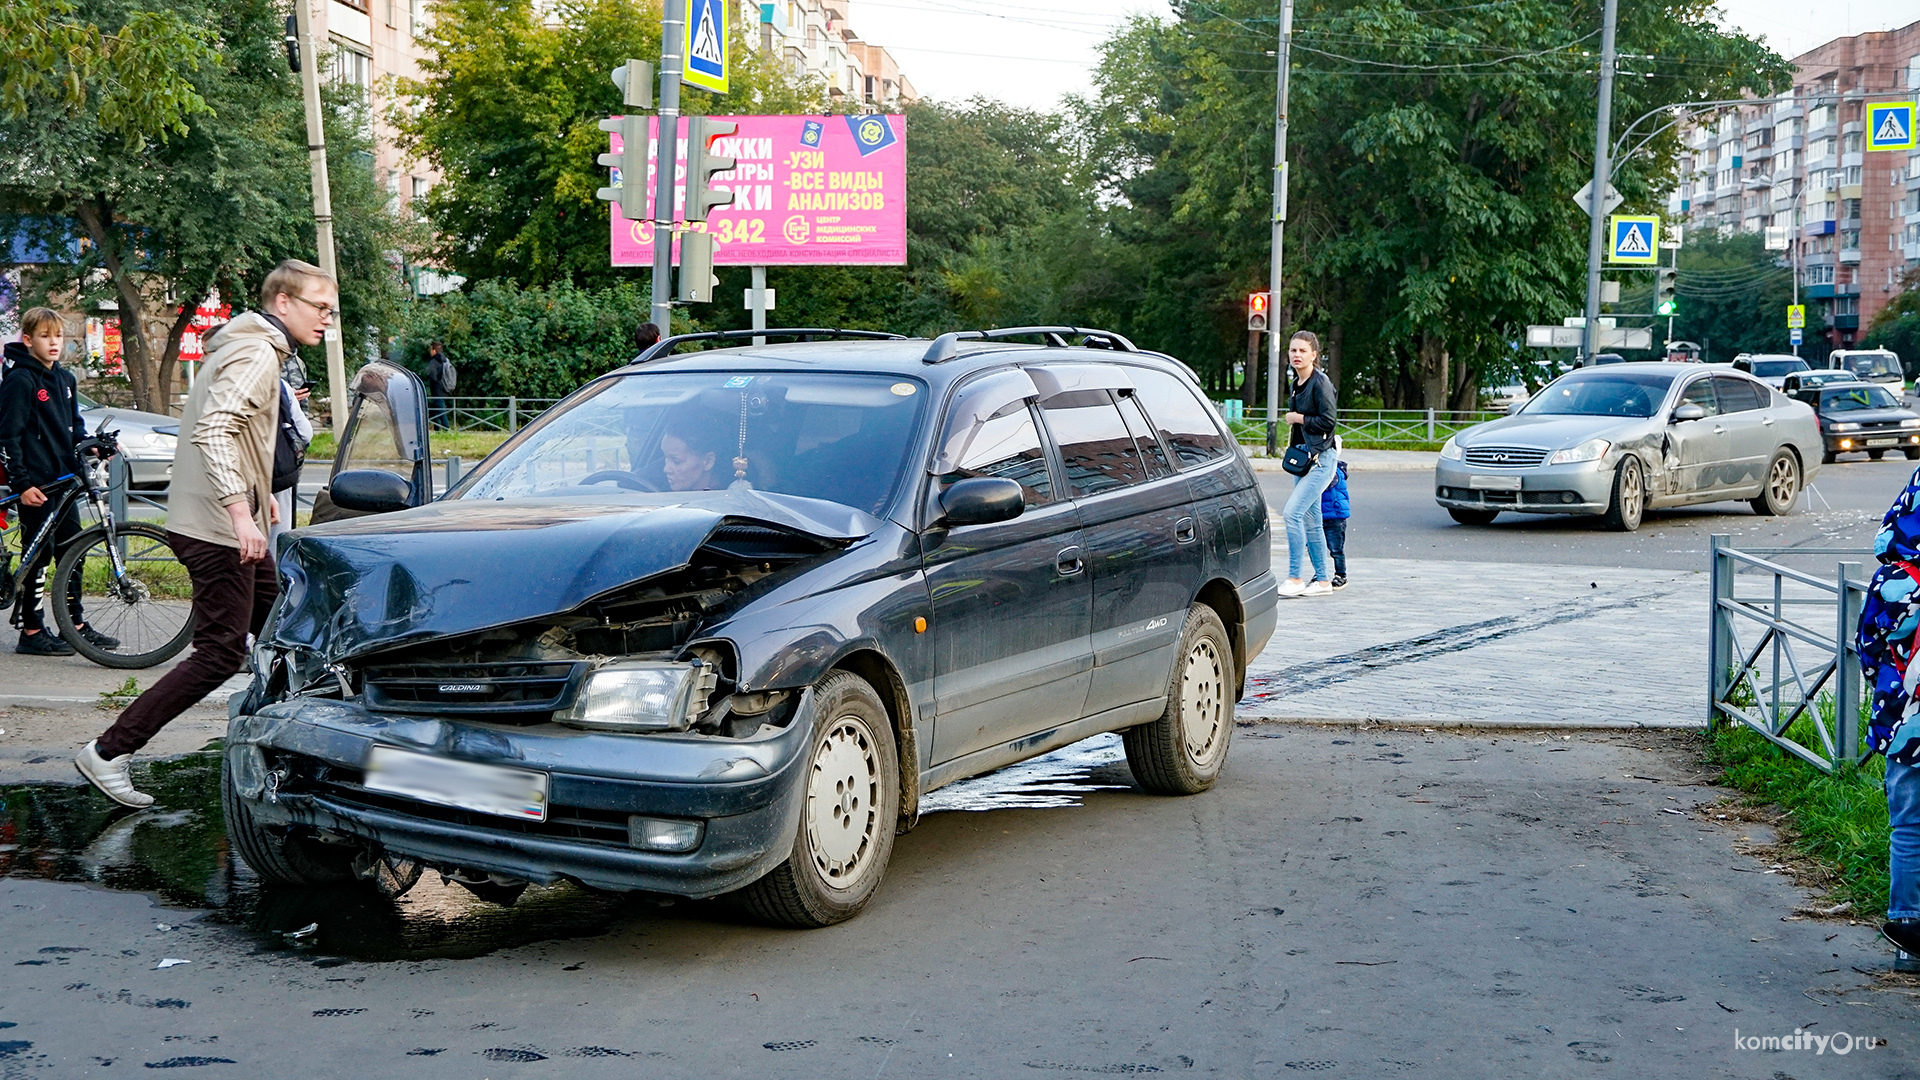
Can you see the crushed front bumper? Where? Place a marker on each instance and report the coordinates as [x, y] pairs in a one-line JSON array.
[[1583, 488], [747, 792]]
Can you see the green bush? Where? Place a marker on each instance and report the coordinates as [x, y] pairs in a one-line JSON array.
[[541, 342]]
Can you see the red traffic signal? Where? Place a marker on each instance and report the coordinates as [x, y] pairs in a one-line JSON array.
[[1257, 311]]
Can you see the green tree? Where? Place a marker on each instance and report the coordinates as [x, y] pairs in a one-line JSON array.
[[1432, 156], [1897, 326], [1733, 296], [507, 108], [174, 199]]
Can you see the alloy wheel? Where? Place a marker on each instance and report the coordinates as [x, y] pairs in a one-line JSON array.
[[1783, 481]]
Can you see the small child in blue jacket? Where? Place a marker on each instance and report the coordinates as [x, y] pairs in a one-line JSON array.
[[1335, 508]]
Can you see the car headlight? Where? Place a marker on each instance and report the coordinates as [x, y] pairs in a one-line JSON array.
[[641, 696], [1915, 422], [1450, 449], [1591, 450], [1843, 427]]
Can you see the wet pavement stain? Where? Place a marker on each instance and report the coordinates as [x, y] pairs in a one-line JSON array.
[[1059, 779], [178, 851]]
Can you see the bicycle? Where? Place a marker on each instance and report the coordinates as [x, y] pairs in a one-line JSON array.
[[134, 589]]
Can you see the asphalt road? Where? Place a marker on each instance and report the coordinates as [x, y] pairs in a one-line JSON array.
[[1395, 517], [1356, 903]]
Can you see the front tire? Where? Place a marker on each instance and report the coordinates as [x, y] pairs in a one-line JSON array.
[[1628, 504], [1912, 452], [281, 858], [1183, 751], [150, 611], [852, 801], [1876, 455], [1472, 517], [1783, 486]]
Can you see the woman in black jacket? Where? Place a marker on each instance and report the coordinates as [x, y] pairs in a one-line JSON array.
[[1310, 416]]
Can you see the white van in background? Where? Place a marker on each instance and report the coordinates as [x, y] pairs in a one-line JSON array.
[[1872, 365]]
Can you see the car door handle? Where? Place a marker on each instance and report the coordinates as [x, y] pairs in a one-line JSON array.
[[1766, 421], [1719, 431], [1069, 562], [1183, 531]]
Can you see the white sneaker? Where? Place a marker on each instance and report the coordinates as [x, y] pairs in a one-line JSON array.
[[111, 777], [1322, 587], [1293, 586]]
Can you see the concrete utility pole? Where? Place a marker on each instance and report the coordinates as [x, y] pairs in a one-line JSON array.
[[1279, 226], [322, 206], [665, 162], [1602, 170]]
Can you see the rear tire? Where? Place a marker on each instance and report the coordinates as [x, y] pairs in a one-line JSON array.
[[851, 804], [1183, 751], [1912, 452], [1472, 517], [280, 858], [1830, 457], [1876, 455], [1628, 503], [150, 612], [1783, 486]]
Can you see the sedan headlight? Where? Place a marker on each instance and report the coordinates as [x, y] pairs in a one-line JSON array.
[[1843, 427], [1450, 449], [1915, 422], [1591, 450], [641, 697]]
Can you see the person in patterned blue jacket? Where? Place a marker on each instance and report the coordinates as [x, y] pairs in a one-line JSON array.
[[1889, 622]]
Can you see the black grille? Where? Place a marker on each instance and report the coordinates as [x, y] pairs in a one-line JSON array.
[[1503, 457], [608, 827], [471, 688]]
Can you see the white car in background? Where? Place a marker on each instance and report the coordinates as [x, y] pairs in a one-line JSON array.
[[146, 439], [1770, 368]]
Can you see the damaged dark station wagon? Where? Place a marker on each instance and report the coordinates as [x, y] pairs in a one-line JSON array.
[[716, 622]]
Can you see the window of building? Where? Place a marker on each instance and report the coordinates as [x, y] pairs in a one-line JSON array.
[[1851, 175], [419, 19], [1850, 238], [349, 67], [1819, 275], [1850, 143], [1850, 208]]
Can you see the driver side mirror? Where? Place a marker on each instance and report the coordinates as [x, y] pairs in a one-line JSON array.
[[981, 500], [370, 491], [1688, 412]]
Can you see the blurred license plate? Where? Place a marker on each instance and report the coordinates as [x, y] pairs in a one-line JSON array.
[[1494, 483], [489, 789], [1881, 442]]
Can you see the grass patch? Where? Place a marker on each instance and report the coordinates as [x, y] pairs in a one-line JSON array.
[[1839, 821], [468, 445]]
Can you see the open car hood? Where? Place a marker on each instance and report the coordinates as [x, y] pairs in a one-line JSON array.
[[466, 565]]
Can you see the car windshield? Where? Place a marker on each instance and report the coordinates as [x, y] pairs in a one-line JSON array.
[[1593, 393], [1877, 365], [1773, 369], [841, 438], [1865, 396]]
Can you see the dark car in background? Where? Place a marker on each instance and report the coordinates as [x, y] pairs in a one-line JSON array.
[[1866, 416], [716, 622], [1805, 385]]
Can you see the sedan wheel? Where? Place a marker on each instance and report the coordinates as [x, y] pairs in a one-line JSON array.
[[1181, 753], [1783, 486], [852, 799], [1629, 501]]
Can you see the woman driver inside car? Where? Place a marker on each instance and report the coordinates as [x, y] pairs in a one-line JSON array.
[[689, 454]]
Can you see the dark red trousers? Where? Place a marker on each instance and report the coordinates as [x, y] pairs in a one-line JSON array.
[[230, 600]]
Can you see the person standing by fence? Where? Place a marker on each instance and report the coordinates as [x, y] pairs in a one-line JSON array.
[[442, 379], [1889, 621], [219, 509], [1313, 458]]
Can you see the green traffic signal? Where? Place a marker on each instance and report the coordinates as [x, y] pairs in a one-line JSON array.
[[1668, 307]]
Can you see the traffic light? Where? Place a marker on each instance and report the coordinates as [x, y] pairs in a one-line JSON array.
[[635, 80], [1664, 302], [1257, 311], [696, 246]]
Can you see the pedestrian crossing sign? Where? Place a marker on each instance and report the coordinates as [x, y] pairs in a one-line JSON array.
[[705, 47], [1636, 239], [1890, 125]]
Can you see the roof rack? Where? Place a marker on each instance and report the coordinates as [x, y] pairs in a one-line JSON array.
[[947, 346], [802, 333]]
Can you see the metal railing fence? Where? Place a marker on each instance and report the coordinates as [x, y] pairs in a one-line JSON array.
[[1375, 427], [485, 413], [1782, 660]]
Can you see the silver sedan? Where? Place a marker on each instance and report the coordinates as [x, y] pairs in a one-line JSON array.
[[1619, 440], [146, 439]]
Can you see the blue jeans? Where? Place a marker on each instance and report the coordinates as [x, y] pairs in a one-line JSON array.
[[1305, 533], [1903, 812]]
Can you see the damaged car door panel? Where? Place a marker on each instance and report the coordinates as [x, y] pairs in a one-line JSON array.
[[715, 622]]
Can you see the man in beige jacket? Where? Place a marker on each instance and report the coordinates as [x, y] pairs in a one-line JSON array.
[[219, 508]]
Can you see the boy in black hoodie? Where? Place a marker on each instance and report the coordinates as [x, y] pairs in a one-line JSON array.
[[39, 427]]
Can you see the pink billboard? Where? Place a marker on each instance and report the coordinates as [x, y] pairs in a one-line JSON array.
[[812, 190]]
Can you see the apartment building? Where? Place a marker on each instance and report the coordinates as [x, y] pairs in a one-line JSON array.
[[1796, 169], [817, 39]]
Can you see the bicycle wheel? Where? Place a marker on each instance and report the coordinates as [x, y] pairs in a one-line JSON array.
[[149, 610]]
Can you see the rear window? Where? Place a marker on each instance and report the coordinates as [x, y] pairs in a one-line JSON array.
[[1773, 369], [1186, 423]]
